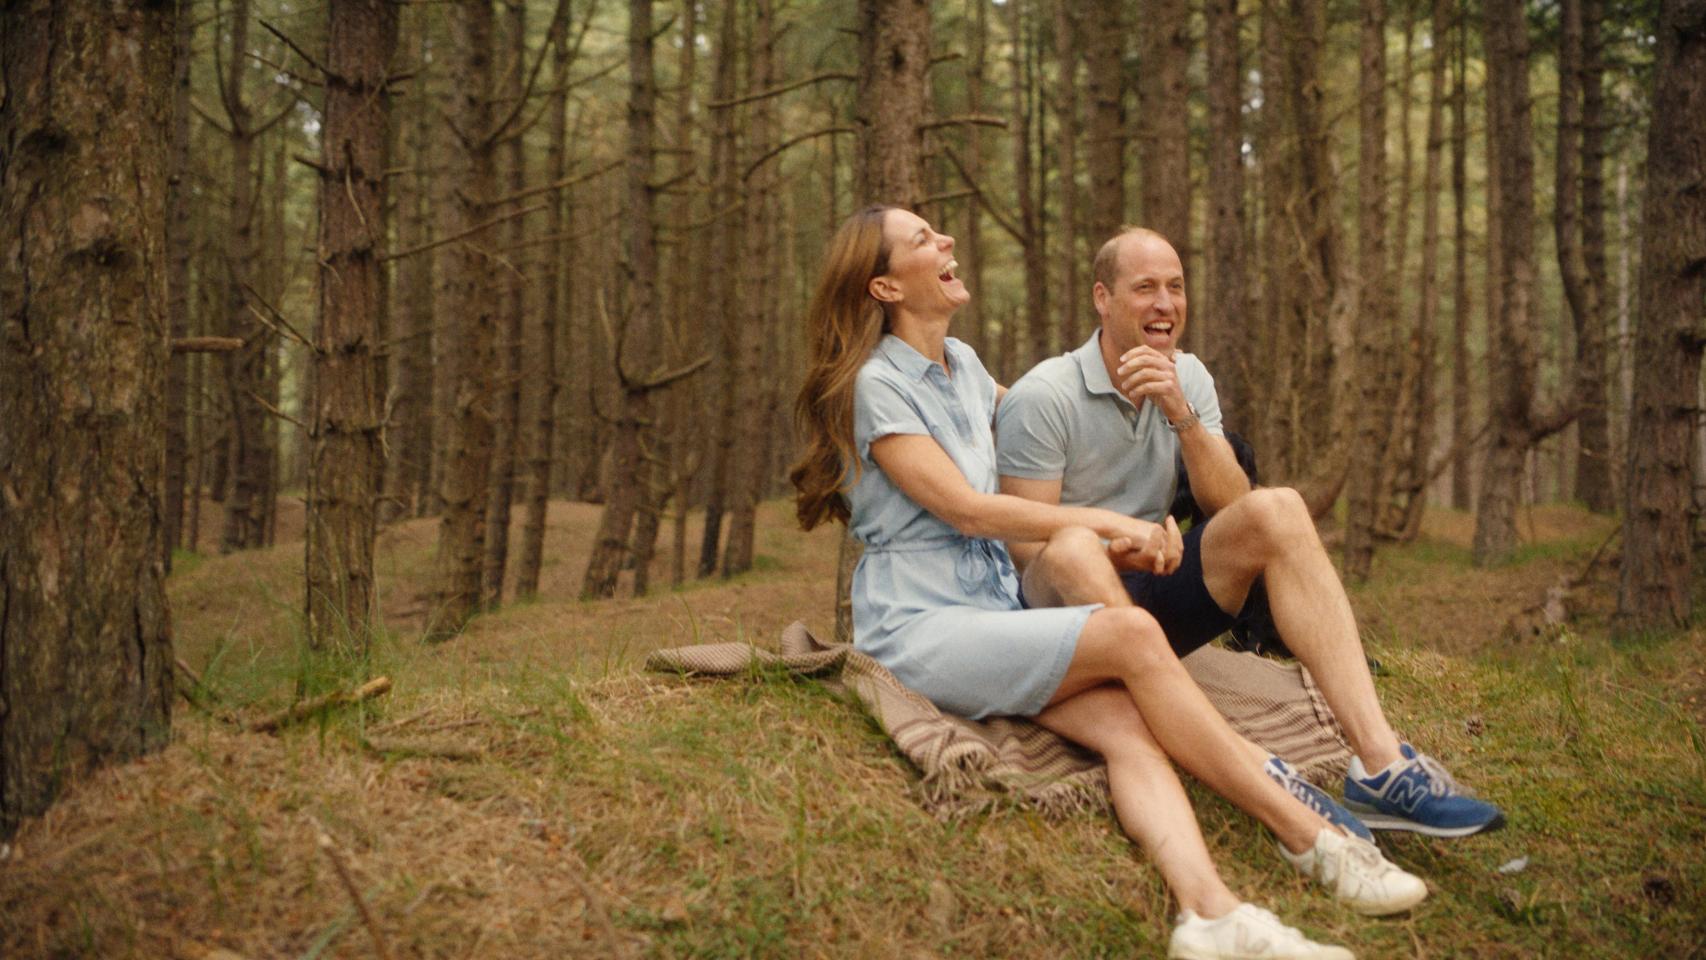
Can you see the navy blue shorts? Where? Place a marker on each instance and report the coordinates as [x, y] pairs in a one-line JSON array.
[[1180, 601]]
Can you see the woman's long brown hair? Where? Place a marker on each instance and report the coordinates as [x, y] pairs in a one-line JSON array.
[[843, 325]]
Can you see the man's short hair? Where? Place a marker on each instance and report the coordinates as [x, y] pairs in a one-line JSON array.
[[1107, 265]]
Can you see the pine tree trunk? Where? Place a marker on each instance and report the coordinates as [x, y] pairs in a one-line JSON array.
[[894, 57], [1105, 127], [1373, 415], [1659, 515], [345, 430], [85, 636], [1595, 466], [975, 315], [1580, 292], [686, 398], [1461, 415], [1409, 491], [1164, 135], [1025, 126], [541, 372], [1227, 290], [1071, 328], [719, 448], [245, 369], [1275, 418], [1511, 359], [755, 326], [639, 331], [512, 324], [412, 337], [178, 245], [470, 320]]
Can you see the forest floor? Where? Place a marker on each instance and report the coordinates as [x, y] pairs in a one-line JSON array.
[[542, 796]]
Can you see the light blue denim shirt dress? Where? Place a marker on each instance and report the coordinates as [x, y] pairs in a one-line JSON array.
[[941, 610]]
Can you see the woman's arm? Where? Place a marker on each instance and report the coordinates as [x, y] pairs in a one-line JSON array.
[[923, 471]]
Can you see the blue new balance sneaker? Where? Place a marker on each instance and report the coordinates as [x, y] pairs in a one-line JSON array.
[[1417, 794], [1315, 798]]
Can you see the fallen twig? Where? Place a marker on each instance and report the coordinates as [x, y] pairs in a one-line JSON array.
[[331, 850], [308, 708], [419, 748]]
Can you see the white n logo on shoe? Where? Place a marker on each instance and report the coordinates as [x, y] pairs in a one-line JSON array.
[[1407, 794]]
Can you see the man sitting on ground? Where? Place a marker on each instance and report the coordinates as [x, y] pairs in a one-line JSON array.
[[1101, 426]]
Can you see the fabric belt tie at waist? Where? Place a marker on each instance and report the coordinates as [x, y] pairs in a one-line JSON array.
[[982, 564]]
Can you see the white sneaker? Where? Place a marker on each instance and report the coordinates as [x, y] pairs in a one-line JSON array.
[[1246, 933], [1357, 874]]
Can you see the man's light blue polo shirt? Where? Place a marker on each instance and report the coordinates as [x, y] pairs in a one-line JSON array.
[[1065, 421]]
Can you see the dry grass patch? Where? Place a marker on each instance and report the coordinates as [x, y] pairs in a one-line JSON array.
[[597, 811]]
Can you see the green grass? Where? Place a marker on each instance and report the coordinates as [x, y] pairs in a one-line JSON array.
[[768, 817]]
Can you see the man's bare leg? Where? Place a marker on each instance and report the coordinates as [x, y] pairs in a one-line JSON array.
[[1269, 533]]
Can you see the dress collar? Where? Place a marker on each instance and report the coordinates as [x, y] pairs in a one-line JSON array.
[[908, 360]]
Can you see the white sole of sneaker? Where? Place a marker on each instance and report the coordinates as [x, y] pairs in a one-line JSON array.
[[1375, 820]]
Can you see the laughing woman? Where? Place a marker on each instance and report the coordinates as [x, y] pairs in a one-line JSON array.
[[897, 416]]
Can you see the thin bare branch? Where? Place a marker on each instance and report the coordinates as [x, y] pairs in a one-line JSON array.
[[784, 88], [292, 45], [792, 141], [562, 184], [435, 244], [965, 119]]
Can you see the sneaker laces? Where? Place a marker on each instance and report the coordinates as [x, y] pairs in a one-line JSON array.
[[1440, 781]]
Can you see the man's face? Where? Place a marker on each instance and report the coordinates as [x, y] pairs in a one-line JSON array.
[[1146, 303]]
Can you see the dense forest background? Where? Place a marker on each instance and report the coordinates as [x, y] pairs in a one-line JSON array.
[[1323, 167]]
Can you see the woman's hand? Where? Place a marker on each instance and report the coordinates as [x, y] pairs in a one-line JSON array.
[[1150, 548]]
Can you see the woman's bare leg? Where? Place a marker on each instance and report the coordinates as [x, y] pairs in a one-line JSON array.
[[1074, 569], [1149, 800], [1126, 646]]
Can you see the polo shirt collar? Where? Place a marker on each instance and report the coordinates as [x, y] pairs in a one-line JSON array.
[[1089, 357], [908, 360]]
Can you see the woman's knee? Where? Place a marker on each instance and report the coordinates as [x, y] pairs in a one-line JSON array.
[[1130, 640]]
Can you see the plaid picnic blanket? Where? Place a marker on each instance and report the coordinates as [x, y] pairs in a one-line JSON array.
[[970, 765]]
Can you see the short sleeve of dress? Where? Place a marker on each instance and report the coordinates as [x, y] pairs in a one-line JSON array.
[[1198, 386], [1030, 432], [881, 409]]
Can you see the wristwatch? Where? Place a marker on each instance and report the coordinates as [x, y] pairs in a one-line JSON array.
[[1187, 421]]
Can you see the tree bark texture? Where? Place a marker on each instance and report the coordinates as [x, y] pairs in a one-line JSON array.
[[1375, 314], [1595, 465], [1227, 292], [756, 325], [637, 337], [346, 458], [512, 282], [1164, 131], [1512, 360], [409, 434], [1075, 301], [1659, 509], [1462, 312], [470, 316], [1105, 132], [541, 372], [178, 248], [892, 103], [85, 636], [719, 447], [245, 369]]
